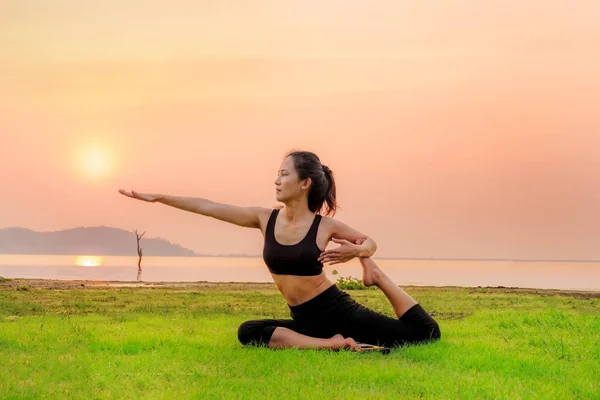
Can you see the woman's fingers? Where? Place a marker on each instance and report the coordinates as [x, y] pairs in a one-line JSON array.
[[335, 257], [352, 344], [328, 258], [128, 194], [333, 261], [134, 195], [328, 254]]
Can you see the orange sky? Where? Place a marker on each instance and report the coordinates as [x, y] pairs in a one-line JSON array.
[[466, 130]]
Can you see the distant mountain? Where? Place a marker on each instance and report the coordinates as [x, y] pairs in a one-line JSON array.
[[93, 240]]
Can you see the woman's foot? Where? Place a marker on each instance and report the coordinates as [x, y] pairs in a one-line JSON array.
[[339, 342], [371, 274]]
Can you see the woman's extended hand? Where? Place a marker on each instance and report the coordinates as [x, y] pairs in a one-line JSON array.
[[346, 252], [151, 198]]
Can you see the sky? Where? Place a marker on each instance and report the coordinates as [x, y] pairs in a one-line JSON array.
[[455, 129]]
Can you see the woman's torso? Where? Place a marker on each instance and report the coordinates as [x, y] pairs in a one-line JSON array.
[[291, 253]]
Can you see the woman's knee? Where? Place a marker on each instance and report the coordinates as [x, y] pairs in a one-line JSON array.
[[434, 332], [255, 332], [430, 332], [427, 327], [424, 332], [248, 331], [416, 335]]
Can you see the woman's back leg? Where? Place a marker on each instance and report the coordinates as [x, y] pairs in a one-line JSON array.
[[413, 325], [368, 326], [373, 275]]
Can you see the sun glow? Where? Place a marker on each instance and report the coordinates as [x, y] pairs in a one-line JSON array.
[[88, 261], [94, 160]]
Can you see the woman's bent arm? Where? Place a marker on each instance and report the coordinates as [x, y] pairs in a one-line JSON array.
[[341, 230]]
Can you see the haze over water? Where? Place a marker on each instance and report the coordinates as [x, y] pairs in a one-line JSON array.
[[542, 275]]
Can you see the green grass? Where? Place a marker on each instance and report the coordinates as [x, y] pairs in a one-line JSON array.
[[181, 343]]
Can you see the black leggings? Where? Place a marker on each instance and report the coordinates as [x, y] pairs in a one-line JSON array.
[[334, 311]]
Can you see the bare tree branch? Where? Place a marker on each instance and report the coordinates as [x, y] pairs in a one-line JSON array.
[[139, 251]]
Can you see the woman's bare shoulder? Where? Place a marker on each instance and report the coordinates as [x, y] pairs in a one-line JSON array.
[[263, 214]]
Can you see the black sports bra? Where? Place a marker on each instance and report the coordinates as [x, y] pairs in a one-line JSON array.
[[296, 259]]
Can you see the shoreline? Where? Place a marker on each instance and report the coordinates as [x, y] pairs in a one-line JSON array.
[[57, 284]]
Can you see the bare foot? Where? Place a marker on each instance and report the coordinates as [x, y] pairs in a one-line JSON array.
[[371, 275], [339, 342]]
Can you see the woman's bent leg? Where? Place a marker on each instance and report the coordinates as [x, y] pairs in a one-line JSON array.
[[284, 337], [259, 332], [282, 333], [414, 326], [372, 275]]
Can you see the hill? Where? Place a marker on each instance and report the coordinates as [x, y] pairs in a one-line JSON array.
[[86, 240]]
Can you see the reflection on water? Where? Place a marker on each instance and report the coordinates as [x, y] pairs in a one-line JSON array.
[[88, 261], [543, 274]]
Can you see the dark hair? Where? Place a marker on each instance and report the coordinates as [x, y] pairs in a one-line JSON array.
[[322, 191]]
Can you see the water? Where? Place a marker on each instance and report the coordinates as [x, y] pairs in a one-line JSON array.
[[527, 274]]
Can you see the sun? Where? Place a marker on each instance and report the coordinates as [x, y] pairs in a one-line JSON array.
[[94, 160], [88, 261]]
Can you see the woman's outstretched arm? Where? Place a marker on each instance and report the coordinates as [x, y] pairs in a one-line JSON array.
[[249, 217]]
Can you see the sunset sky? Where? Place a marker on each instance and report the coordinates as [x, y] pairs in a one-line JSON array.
[[454, 128]]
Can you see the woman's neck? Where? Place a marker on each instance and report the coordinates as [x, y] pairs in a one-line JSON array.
[[296, 210]]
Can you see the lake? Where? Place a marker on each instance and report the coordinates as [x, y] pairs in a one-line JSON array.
[[526, 274]]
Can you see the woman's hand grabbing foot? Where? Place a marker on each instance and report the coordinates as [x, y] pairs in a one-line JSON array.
[[339, 342]]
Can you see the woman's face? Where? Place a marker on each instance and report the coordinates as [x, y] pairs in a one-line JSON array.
[[287, 185]]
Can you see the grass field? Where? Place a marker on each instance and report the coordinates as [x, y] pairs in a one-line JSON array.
[[66, 340]]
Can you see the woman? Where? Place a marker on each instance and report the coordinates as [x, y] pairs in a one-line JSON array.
[[323, 316]]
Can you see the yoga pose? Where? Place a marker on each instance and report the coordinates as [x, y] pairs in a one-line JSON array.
[[323, 316]]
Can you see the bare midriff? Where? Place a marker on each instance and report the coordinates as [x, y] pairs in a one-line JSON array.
[[300, 289]]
